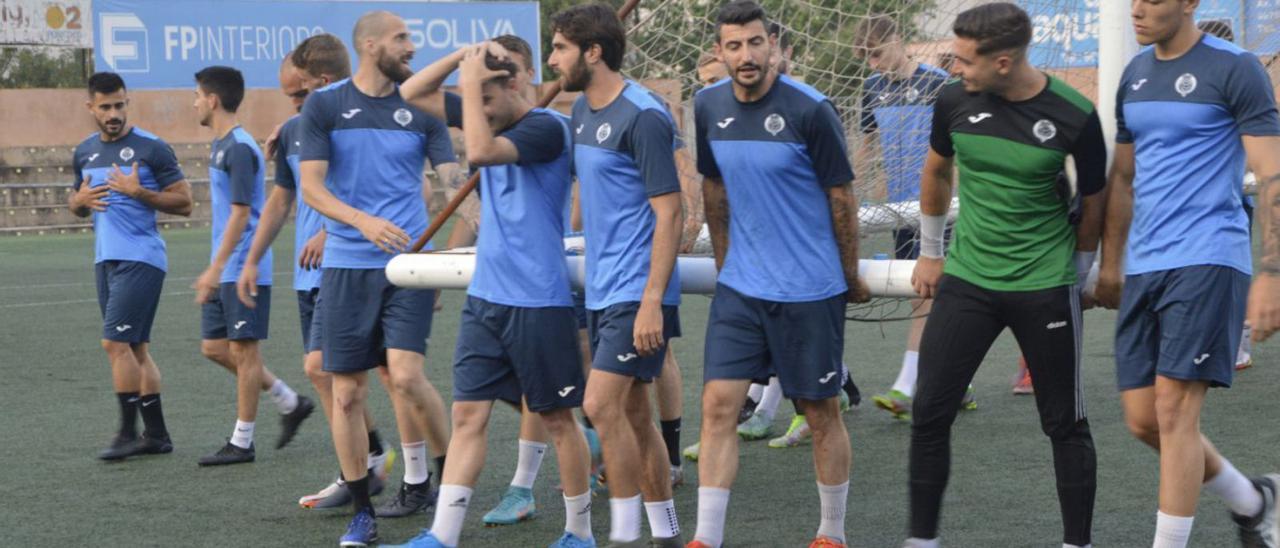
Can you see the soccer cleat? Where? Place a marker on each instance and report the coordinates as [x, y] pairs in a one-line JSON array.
[[379, 468], [1244, 361], [697, 544], [756, 428], [895, 402], [516, 506], [797, 434], [1262, 530], [677, 476], [289, 422], [691, 452], [229, 454], [570, 540], [361, 532], [121, 447], [853, 394], [154, 446], [1022, 382], [748, 409], [845, 404], [825, 542], [410, 500], [334, 495], [970, 400], [666, 542]]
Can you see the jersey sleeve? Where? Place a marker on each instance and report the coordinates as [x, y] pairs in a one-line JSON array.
[[1090, 154], [1123, 135], [439, 144], [824, 138], [77, 169], [940, 132], [538, 138], [706, 158], [867, 121], [652, 140], [284, 171], [315, 123], [1251, 98], [453, 109], [164, 165], [242, 167]]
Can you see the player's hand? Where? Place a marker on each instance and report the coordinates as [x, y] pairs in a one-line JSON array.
[[312, 252], [383, 233], [1087, 301], [473, 71], [129, 185], [1264, 306], [206, 285], [1108, 289], [648, 328], [926, 276], [858, 292], [92, 198], [273, 140], [247, 285]]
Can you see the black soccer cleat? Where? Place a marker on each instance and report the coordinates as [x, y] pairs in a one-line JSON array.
[[289, 422], [121, 448], [154, 446], [412, 499], [229, 454]]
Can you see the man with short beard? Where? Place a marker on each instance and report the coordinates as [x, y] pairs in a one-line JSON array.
[[129, 254], [363, 149], [623, 155]]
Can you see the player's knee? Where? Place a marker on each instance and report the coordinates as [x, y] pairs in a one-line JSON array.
[[718, 408], [600, 410], [1145, 429], [116, 349], [405, 382], [468, 421], [558, 422], [214, 351], [313, 365], [1176, 407]]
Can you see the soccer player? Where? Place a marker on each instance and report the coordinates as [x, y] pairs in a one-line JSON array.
[[129, 254], [230, 331], [783, 222], [624, 140], [363, 149], [308, 252], [1015, 260], [897, 106], [1191, 109], [517, 339]]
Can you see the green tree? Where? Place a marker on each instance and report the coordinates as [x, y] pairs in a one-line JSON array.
[[42, 67]]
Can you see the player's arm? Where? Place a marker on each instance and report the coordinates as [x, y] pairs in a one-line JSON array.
[[652, 139], [242, 166], [692, 200], [484, 148], [828, 153], [935, 199], [1264, 296], [1115, 226], [844, 221], [274, 213], [174, 199], [1090, 156], [425, 89], [715, 200]]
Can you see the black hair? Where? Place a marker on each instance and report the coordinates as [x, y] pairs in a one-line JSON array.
[[741, 12], [999, 26], [105, 83], [225, 82], [591, 25]]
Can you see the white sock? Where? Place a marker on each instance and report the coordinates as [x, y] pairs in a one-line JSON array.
[[770, 399], [1172, 531], [906, 382], [662, 519], [922, 543], [755, 392], [1246, 346], [451, 509], [713, 503], [577, 515], [624, 519], [834, 498], [528, 463], [415, 462], [1236, 490], [285, 398], [242, 436]]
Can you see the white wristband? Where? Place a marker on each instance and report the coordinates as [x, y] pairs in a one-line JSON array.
[[1084, 263], [932, 230]]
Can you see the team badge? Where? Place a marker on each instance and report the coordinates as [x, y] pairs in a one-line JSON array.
[[913, 95], [603, 132], [774, 124], [1186, 84], [1045, 130], [403, 117], [218, 158], [126, 154]]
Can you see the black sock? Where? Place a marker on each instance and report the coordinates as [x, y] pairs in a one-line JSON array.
[[587, 422], [375, 442], [152, 417], [671, 436], [360, 494], [796, 405], [851, 390], [128, 413], [439, 468]]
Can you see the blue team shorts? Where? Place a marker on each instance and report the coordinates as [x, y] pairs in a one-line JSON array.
[[802, 343], [611, 332], [1181, 324], [128, 295], [309, 315], [506, 352], [225, 317], [361, 315]]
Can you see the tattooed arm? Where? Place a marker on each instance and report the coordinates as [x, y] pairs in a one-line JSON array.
[[717, 206], [844, 221], [1264, 295], [692, 198]]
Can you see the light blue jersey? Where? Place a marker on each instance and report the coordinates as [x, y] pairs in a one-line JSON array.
[[307, 221], [237, 175]]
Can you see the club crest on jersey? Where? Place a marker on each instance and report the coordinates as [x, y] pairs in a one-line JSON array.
[[1045, 130], [774, 124], [603, 132], [1186, 84], [913, 95], [126, 154], [403, 117], [218, 158]]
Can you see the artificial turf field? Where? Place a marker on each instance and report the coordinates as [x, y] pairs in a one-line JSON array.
[[59, 411]]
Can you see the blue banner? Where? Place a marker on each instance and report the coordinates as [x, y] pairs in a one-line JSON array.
[[1262, 26], [161, 44]]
